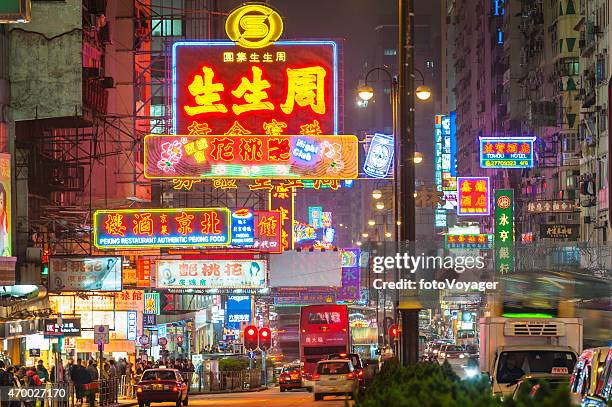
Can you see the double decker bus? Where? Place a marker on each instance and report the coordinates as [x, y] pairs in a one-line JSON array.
[[324, 329]]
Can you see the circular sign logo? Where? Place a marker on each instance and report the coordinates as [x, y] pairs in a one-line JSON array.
[[254, 25], [144, 340], [503, 202]]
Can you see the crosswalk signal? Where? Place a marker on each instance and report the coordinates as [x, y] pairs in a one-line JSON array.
[[265, 339], [393, 332], [250, 337]]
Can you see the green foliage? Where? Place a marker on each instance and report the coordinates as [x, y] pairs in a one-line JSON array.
[[233, 364], [432, 385]]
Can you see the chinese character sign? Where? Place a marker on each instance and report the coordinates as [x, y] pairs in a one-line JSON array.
[[438, 151], [560, 231], [448, 150], [251, 156], [169, 227], [504, 230], [5, 205], [473, 196], [469, 241], [506, 152], [350, 289], [314, 216], [237, 310], [84, 274], [132, 325], [279, 89], [151, 303], [243, 227], [204, 274], [268, 231]]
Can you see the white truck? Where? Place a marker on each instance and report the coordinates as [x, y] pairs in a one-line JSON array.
[[513, 347]]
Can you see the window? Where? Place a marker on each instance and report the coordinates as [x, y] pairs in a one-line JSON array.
[[167, 27], [513, 365], [334, 368], [390, 52], [324, 318]]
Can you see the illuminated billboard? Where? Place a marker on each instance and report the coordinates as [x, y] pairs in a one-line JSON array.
[[380, 156], [469, 241], [168, 227], [205, 274], [85, 274], [506, 152], [5, 205], [250, 156], [290, 87], [474, 196], [243, 227], [268, 232]]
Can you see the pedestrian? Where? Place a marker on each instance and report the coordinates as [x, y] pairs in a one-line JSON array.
[[5, 383], [42, 372], [80, 377]]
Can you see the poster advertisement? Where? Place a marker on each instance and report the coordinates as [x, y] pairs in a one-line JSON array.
[[85, 273], [204, 274], [5, 205]]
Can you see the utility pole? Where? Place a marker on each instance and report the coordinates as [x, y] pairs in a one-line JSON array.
[[408, 305]]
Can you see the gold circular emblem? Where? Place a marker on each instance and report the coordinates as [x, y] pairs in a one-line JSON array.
[[254, 25]]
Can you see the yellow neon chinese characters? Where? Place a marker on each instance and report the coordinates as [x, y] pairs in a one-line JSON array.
[[206, 94], [184, 223], [306, 87], [253, 93]]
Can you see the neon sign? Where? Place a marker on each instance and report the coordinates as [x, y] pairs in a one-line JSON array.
[[243, 233], [469, 241], [506, 152], [380, 156], [204, 274], [169, 227], [473, 196], [268, 232], [250, 156], [254, 26], [283, 89]]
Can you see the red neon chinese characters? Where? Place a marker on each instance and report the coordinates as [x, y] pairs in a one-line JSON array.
[[253, 93], [210, 223], [250, 149], [222, 149], [143, 224], [278, 149], [488, 148], [184, 223], [114, 224], [306, 87], [267, 226], [206, 94]]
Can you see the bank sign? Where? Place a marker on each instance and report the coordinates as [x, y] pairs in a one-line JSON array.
[[506, 152]]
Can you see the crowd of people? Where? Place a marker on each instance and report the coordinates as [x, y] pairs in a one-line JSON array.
[[182, 365]]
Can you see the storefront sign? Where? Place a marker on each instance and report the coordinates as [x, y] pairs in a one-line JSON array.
[[469, 241], [506, 152], [268, 231], [504, 230], [204, 274], [151, 303], [553, 206], [350, 276], [237, 311], [84, 274], [149, 320], [168, 227], [71, 303], [314, 216], [132, 325], [143, 272], [243, 233], [254, 25], [570, 232], [68, 327], [474, 196], [5, 205], [251, 156], [290, 87], [379, 157]]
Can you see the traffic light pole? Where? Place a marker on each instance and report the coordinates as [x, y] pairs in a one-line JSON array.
[[263, 366]]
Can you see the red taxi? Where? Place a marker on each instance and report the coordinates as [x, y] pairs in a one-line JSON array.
[[290, 378], [162, 386]]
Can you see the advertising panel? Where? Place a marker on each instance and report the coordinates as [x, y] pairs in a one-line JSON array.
[[560, 231], [268, 231], [237, 311], [474, 196], [205, 274], [151, 303], [314, 216], [168, 227], [469, 241], [506, 152], [233, 156], [68, 327], [504, 230], [350, 276], [379, 157], [5, 205], [289, 87], [243, 227], [85, 273]]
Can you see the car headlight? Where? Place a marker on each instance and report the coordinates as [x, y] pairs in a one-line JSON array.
[[435, 351], [443, 354], [461, 356]]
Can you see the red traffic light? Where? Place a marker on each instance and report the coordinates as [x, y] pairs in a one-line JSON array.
[[250, 337], [265, 338], [393, 331]]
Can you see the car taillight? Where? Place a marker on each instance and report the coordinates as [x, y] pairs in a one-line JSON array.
[[316, 377], [350, 375], [175, 388], [139, 389], [360, 373]]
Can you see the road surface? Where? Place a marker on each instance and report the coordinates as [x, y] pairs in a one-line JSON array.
[[268, 398]]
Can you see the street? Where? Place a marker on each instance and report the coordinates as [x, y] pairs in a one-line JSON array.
[[270, 398]]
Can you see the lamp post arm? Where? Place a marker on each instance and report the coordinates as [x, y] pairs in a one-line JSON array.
[[378, 68]]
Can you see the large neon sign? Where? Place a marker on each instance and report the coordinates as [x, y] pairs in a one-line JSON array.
[[168, 227], [506, 152], [474, 196], [251, 156], [290, 87]]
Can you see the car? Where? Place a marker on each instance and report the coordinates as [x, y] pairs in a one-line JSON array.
[[162, 386], [355, 359], [290, 378], [334, 377], [454, 354], [531, 384], [472, 350], [433, 348]]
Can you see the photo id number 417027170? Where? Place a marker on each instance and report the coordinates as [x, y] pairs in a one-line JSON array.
[[32, 393]]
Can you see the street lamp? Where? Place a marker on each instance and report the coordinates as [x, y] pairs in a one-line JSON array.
[[376, 194], [371, 222], [418, 157], [365, 235], [380, 205], [388, 234], [365, 92], [423, 92]]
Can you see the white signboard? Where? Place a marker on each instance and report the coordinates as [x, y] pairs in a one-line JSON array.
[[204, 274], [85, 274]]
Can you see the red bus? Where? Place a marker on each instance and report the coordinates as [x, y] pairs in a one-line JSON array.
[[324, 329]]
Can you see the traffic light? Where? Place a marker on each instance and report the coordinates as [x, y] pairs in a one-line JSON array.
[[393, 332], [250, 337], [265, 339]]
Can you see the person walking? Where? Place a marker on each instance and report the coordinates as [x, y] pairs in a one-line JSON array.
[[42, 372], [80, 378]]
